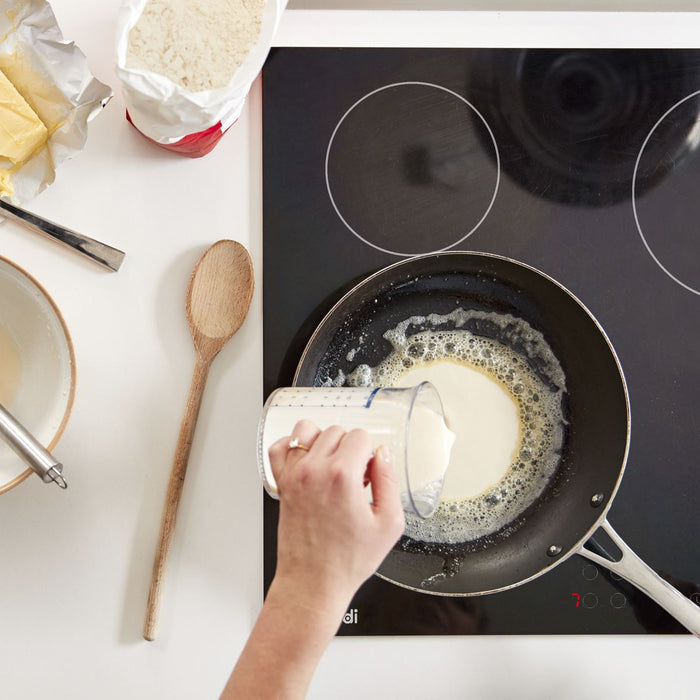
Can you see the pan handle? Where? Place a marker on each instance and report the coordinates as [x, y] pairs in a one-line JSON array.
[[634, 570]]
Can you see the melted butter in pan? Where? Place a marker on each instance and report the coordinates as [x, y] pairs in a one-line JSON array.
[[508, 418]]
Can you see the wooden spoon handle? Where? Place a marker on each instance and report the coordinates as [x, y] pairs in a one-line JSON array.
[[172, 497]]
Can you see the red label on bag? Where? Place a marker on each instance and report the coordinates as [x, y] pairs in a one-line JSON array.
[[193, 145]]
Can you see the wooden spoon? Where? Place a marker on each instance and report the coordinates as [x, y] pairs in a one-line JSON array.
[[218, 298]]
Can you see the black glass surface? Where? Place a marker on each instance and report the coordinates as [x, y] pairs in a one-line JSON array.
[[581, 163]]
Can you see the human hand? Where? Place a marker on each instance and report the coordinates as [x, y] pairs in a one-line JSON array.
[[330, 537]]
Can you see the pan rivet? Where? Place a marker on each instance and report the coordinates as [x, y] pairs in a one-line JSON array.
[[554, 550], [597, 499]]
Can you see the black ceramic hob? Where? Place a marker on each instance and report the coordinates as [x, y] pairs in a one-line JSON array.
[[582, 163]]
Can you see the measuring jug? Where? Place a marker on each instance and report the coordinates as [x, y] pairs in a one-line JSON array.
[[409, 421]]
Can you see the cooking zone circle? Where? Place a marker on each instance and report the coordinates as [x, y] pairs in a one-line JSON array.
[[662, 215], [407, 171]]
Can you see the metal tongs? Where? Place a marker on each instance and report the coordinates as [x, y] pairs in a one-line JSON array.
[[98, 252], [30, 450]]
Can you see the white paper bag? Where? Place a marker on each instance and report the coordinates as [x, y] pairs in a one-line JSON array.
[[190, 123]]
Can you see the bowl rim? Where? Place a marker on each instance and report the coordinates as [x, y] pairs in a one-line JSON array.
[[71, 352]]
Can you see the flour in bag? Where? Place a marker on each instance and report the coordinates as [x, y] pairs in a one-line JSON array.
[[198, 45]]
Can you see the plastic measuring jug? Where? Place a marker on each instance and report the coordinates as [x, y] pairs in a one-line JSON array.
[[409, 421]]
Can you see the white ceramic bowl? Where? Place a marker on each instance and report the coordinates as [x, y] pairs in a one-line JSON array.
[[37, 366]]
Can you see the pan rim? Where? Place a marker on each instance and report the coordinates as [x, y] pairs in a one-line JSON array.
[[604, 508]]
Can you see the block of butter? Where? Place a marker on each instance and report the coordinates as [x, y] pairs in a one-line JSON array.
[[21, 131]]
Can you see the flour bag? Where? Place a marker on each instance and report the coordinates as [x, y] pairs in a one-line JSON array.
[[186, 66]]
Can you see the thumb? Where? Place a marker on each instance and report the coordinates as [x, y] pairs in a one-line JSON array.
[[385, 488]]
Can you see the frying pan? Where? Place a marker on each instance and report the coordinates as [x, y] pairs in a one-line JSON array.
[[576, 500]]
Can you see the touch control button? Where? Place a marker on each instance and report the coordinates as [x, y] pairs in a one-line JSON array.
[[590, 600], [618, 601], [590, 572]]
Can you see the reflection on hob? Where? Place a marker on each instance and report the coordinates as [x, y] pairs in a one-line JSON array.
[[573, 121], [581, 163]]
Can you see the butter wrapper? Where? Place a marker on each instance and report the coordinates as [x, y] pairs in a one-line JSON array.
[[53, 77], [187, 122]]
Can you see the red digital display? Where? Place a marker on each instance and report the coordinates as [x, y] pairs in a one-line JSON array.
[[577, 599]]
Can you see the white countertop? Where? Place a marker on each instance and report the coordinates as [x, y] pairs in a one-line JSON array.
[[75, 566]]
